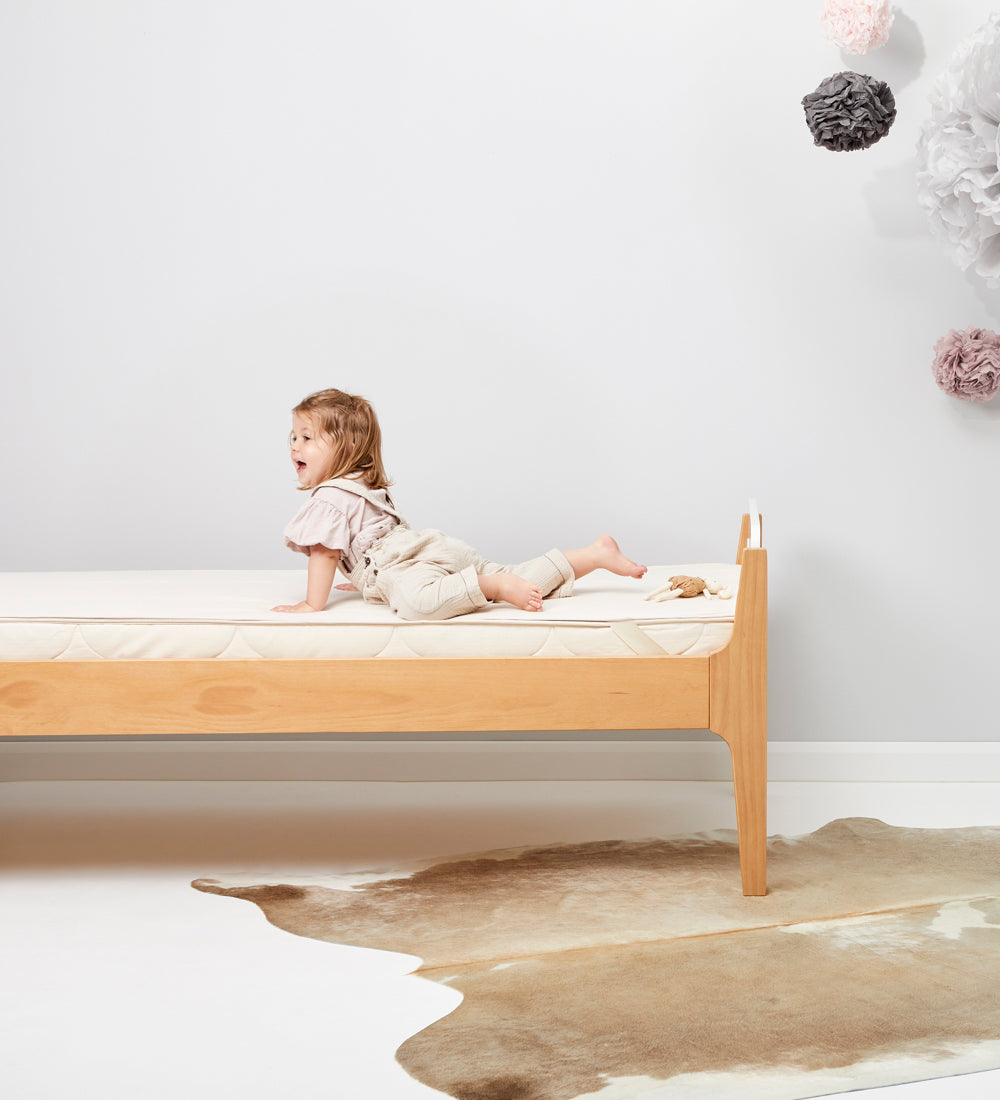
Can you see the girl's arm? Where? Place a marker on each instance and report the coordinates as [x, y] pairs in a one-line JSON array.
[[323, 564]]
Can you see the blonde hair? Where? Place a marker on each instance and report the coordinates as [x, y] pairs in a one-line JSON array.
[[350, 422]]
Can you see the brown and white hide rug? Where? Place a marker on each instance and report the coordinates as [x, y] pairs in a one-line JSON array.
[[622, 970]]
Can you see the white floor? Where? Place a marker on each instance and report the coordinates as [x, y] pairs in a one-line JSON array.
[[120, 981]]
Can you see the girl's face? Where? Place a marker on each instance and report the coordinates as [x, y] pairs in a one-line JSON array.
[[311, 452]]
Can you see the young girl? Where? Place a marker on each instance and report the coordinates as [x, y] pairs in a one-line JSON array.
[[350, 521]]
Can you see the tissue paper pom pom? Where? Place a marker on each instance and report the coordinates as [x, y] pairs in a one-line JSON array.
[[958, 178], [849, 111], [857, 26], [967, 364]]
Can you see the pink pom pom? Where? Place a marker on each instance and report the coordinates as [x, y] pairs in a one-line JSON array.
[[857, 26], [967, 364]]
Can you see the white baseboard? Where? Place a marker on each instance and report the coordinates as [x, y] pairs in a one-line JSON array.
[[483, 760]]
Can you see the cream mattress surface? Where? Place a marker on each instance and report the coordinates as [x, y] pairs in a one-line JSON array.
[[199, 614]]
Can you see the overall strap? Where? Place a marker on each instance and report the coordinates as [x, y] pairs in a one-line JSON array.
[[352, 485]]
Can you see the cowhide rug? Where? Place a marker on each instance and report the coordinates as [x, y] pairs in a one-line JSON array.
[[620, 970]]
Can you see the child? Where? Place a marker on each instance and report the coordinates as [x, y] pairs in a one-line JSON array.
[[350, 521]]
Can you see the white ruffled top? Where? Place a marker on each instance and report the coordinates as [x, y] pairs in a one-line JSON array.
[[339, 520]]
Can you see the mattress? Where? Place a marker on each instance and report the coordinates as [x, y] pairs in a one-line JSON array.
[[224, 614]]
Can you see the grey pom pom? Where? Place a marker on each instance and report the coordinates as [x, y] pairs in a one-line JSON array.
[[849, 111]]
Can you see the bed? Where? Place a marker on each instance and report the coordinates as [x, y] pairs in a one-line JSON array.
[[163, 653]]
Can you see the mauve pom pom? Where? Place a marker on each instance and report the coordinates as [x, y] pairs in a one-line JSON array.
[[967, 364], [857, 26], [849, 111]]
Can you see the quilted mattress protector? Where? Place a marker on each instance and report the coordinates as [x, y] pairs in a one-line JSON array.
[[225, 614]]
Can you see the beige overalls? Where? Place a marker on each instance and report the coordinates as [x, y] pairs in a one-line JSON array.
[[430, 575]]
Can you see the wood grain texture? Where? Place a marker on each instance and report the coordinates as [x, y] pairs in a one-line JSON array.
[[738, 714], [81, 698]]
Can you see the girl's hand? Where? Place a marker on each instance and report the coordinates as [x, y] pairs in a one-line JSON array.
[[345, 588], [297, 609]]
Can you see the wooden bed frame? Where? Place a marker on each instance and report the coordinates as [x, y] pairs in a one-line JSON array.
[[725, 692]]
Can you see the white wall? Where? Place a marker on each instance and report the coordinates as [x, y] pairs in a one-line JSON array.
[[581, 254]]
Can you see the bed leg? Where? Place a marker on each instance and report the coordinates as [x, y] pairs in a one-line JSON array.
[[738, 714], [750, 784]]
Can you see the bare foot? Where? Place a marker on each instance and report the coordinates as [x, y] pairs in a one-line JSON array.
[[511, 589], [604, 554]]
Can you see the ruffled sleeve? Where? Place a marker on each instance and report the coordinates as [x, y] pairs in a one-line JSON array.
[[318, 521]]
